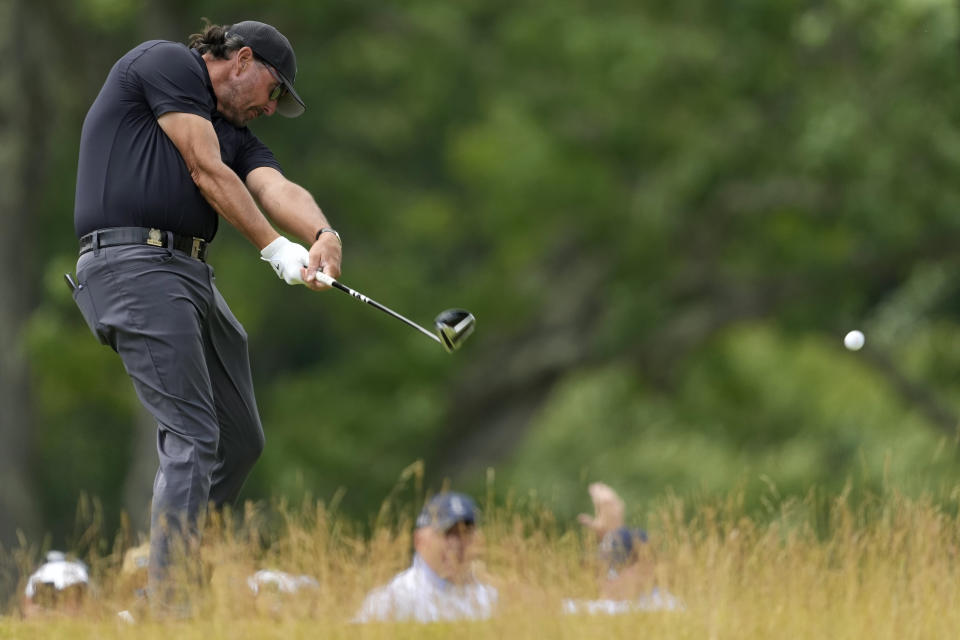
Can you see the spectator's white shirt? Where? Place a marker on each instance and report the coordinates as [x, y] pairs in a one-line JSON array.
[[281, 581], [59, 572], [656, 600], [420, 595]]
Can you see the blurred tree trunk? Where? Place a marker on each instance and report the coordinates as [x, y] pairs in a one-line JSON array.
[[21, 157]]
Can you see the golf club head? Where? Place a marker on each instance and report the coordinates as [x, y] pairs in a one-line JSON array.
[[454, 326]]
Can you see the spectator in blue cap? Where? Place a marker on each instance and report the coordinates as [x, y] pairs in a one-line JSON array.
[[618, 548], [628, 581], [439, 585]]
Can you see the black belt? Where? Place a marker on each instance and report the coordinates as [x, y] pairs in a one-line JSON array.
[[194, 247]]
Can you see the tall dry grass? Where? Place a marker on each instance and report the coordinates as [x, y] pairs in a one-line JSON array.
[[818, 567]]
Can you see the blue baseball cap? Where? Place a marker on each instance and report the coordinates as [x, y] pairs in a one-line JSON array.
[[446, 509], [617, 546]]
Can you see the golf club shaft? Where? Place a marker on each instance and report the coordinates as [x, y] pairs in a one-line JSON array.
[[322, 277]]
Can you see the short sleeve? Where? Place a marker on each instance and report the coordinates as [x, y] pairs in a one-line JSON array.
[[172, 80], [253, 154], [240, 149]]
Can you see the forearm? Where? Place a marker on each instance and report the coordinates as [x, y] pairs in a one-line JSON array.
[[230, 199], [294, 210], [197, 142]]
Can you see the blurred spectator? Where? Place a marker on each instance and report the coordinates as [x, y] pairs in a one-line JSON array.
[[440, 585], [278, 593], [58, 586], [280, 582], [133, 571], [628, 578], [133, 580], [608, 510]]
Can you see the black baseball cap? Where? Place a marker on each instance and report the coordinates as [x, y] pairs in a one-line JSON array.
[[272, 47]]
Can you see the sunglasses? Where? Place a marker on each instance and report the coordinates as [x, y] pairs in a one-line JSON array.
[[280, 89]]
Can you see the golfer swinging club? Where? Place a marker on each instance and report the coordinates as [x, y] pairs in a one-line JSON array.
[[164, 151]]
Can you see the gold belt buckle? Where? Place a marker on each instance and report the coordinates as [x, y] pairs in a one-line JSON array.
[[154, 238], [195, 251]]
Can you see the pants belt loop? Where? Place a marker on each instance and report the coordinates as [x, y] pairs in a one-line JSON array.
[[96, 242], [171, 240]]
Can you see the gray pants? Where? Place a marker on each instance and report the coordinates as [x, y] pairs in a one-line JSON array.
[[187, 356]]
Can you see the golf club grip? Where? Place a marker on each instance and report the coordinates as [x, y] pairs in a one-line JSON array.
[[336, 284]]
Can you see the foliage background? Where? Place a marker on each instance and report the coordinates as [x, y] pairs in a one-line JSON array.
[[664, 215]]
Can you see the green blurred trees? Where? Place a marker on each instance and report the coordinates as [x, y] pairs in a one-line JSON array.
[[20, 164], [664, 216]]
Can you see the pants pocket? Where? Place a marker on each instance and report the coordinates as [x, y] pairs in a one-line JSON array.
[[81, 295]]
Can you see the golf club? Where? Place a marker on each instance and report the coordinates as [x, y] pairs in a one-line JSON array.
[[453, 325]]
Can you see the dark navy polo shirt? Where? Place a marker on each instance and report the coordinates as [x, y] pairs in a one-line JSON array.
[[130, 174]]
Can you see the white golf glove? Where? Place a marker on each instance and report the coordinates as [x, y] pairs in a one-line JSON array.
[[286, 258]]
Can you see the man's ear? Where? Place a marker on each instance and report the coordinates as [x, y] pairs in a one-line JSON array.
[[244, 58]]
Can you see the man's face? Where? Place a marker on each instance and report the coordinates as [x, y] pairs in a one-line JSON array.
[[448, 552], [247, 93]]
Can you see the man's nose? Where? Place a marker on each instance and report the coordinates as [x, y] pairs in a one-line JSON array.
[[456, 543], [271, 108]]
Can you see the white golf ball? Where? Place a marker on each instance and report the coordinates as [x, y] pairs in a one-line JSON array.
[[854, 340]]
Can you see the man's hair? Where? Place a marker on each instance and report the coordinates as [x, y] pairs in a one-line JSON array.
[[213, 39]]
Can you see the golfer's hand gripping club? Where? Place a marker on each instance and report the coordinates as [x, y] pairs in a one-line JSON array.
[[287, 259], [325, 279]]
